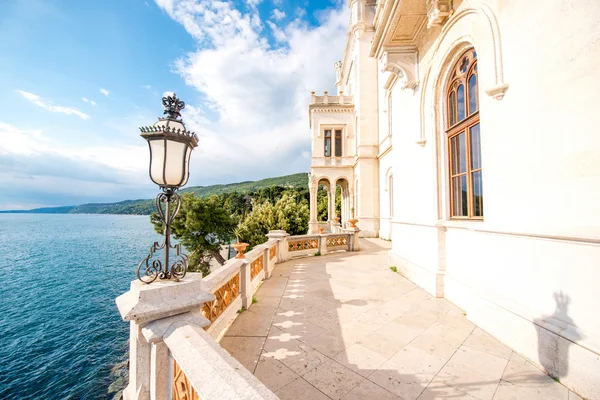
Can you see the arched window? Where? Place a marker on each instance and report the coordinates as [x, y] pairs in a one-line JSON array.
[[464, 147], [327, 148]]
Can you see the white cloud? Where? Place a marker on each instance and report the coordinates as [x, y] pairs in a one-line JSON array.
[[104, 91], [17, 141], [38, 101], [278, 14], [278, 34], [92, 102], [259, 93], [148, 87]]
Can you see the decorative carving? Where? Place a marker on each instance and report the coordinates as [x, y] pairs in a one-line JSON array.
[[438, 12], [498, 91], [224, 296], [256, 267], [402, 64], [173, 106], [336, 241], [182, 388], [273, 252], [303, 244]]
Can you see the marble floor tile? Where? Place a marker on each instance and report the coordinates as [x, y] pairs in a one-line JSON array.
[[333, 379]]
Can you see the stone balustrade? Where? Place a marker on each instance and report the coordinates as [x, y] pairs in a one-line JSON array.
[[175, 326], [326, 99]]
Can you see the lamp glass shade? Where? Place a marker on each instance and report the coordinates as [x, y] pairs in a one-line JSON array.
[[174, 168], [157, 160], [169, 162]]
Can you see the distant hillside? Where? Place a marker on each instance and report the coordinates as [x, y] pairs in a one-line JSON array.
[[145, 207], [296, 180]]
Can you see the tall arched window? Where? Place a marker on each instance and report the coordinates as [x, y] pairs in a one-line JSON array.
[[464, 148]]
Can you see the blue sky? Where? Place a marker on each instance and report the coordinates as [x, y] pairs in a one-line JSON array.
[[77, 78]]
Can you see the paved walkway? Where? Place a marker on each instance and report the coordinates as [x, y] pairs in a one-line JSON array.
[[343, 326]]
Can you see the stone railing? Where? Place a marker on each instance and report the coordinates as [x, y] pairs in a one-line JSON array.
[[326, 99], [175, 326]]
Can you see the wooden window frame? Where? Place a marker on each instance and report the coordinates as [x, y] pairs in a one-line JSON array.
[[341, 142], [470, 120]]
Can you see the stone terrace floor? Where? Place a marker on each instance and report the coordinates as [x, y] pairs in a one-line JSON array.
[[343, 326]]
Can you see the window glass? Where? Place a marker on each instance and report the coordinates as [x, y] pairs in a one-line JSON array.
[[458, 154], [452, 110], [472, 94], [475, 148], [477, 194], [459, 190], [461, 102], [338, 143], [328, 143]]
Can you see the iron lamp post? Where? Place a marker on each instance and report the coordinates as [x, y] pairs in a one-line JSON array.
[[170, 145]]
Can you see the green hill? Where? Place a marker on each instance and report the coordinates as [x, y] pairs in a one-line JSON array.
[[145, 207], [296, 180]]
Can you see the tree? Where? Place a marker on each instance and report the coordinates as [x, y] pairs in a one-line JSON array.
[[288, 214], [201, 226]]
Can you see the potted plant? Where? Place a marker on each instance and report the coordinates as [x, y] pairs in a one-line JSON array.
[[352, 220], [239, 246]]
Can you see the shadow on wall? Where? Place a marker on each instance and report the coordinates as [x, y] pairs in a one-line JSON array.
[[553, 348]]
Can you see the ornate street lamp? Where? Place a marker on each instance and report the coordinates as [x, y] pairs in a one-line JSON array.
[[170, 148]]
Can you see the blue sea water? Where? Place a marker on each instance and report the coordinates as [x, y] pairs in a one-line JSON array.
[[60, 330]]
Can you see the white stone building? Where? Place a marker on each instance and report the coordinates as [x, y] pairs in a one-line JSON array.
[[467, 132]]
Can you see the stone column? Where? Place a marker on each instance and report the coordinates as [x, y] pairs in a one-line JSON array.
[[266, 263], [139, 365], [313, 225], [332, 203], [160, 372], [245, 284], [282, 246]]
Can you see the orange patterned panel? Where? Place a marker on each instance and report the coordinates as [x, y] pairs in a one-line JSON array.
[[224, 296], [272, 252], [304, 244], [182, 388], [256, 267], [336, 241]]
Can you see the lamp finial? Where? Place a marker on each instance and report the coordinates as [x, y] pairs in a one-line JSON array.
[[173, 106]]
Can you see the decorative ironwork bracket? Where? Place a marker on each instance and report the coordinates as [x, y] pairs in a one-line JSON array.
[[149, 269]]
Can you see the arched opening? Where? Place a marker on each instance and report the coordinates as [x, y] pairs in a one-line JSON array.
[[323, 201]]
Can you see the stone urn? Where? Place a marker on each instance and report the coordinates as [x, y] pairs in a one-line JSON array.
[[321, 230], [240, 247], [353, 222]]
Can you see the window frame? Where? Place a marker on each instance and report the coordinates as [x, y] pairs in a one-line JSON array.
[[339, 138], [454, 127], [333, 129]]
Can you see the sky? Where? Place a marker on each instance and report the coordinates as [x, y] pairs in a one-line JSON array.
[[78, 78]]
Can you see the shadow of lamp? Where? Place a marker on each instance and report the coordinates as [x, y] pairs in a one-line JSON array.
[[170, 145]]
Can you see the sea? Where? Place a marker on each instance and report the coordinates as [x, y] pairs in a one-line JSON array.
[[61, 335]]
